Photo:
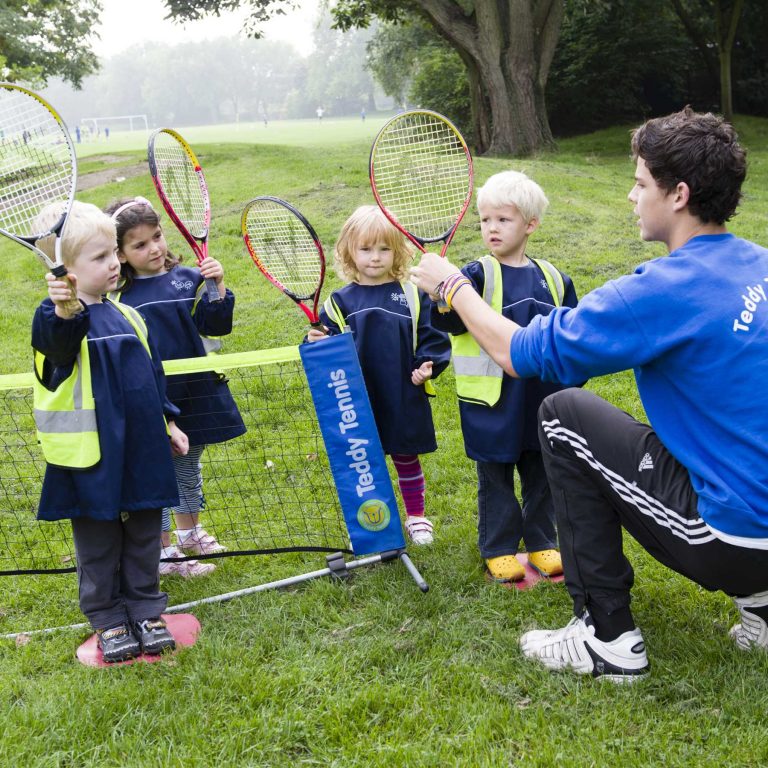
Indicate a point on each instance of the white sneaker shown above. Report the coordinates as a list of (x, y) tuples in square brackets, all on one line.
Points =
[(753, 630), (419, 529), (173, 565), (575, 647)]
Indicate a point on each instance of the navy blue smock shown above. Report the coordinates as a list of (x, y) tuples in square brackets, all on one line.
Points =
[(167, 302), (135, 471), (380, 321)]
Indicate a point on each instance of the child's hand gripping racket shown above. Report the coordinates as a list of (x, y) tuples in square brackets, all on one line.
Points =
[(182, 190), (37, 168), (421, 177), (286, 249)]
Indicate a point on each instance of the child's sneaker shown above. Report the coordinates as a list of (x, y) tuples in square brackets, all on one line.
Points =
[(419, 529), (575, 647), (176, 566), (752, 632), (154, 635), (117, 643), (504, 568), (546, 561), (198, 541)]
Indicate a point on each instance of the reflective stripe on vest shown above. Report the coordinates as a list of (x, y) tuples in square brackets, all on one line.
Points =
[(478, 376), (414, 307), (66, 418), (554, 280)]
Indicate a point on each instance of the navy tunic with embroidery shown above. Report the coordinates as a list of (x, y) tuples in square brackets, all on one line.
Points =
[(380, 321), (167, 302), (500, 433), (135, 471)]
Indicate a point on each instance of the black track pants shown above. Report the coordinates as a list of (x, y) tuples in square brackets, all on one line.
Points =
[(608, 471)]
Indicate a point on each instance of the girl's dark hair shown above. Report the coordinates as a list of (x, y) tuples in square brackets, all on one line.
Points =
[(701, 150), (135, 215)]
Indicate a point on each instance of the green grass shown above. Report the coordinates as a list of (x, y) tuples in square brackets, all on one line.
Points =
[(371, 672)]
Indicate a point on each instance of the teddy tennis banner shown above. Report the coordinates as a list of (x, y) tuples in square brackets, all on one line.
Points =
[(352, 441)]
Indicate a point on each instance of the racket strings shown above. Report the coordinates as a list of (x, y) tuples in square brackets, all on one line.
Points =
[(284, 248), (182, 184), (36, 162), (421, 171)]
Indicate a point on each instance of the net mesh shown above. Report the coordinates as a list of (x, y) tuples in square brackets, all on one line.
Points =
[(182, 182), (37, 162), (267, 491), (422, 173), (283, 246)]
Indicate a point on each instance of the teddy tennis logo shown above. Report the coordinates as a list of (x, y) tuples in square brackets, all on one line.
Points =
[(373, 515)]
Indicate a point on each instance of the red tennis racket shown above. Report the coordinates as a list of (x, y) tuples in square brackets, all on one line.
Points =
[(38, 168), (182, 190), (287, 250), (421, 176)]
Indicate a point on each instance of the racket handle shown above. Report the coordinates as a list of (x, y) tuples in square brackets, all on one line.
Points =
[(73, 306), (212, 289), (442, 307)]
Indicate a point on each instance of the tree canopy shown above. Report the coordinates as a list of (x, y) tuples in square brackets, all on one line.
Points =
[(40, 39)]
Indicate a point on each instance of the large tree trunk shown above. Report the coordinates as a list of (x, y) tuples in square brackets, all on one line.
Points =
[(508, 47)]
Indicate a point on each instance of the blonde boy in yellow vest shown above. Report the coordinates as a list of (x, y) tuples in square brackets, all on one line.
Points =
[(498, 413), (101, 410)]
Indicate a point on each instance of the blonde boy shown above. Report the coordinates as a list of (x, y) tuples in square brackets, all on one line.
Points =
[(498, 413), (100, 409)]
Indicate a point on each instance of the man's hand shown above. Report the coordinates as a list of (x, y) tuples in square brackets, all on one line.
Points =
[(430, 272)]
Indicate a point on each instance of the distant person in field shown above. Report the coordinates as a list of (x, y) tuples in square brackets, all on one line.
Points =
[(362, 114), (185, 324), (693, 487), (106, 133), (498, 412), (101, 411), (320, 112), (77, 133), (382, 308)]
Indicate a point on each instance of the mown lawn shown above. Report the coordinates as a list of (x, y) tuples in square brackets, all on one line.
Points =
[(372, 672)]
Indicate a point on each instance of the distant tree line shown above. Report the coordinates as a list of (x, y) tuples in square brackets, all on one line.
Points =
[(511, 73)]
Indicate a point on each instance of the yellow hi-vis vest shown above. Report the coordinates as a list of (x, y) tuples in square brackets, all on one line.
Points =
[(414, 307), (66, 417), (478, 376)]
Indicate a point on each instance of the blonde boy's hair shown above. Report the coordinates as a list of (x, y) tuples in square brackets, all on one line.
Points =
[(367, 226), (514, 188), (85, 221)]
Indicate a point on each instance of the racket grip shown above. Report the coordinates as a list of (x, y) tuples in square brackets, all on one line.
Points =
[(73, 306), (442, 307), (212, 289)]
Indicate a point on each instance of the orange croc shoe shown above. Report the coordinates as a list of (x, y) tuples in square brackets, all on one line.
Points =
[(546, 561), (505, 568)]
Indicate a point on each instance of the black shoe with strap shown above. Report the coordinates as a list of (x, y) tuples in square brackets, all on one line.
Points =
[(154, 635), (118, 643)]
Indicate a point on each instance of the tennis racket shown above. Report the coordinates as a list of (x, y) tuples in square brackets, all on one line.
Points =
[(37, 168), (286, 249), (421, 176), (182, 190)]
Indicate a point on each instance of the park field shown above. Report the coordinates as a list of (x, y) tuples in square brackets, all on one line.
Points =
[(372, 672)]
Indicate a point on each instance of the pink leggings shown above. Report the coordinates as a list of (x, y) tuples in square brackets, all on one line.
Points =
[(411, 481)]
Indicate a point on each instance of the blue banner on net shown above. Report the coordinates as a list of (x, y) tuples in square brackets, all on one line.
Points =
[(352, 441)]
